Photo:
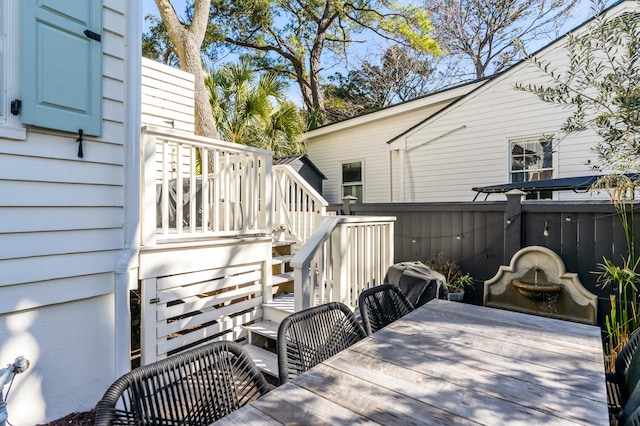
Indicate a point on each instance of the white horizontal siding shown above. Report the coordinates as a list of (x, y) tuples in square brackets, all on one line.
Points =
[(62, 216), (446, 168), (58, 266), (366, 143), (20, 245), (45, 219), (167, 97)]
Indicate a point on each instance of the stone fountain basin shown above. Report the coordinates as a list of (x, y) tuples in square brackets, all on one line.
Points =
[(536, 291)]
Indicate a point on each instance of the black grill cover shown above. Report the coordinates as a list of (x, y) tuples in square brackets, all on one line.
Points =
[(418, 282)]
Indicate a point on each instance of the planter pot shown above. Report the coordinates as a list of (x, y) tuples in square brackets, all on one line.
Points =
[(457, 296)]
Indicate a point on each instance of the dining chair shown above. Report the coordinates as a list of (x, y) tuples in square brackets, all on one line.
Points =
[(630, 414), (633, 419), (196, 387), (618, 391), (381, 305), (308, 337)]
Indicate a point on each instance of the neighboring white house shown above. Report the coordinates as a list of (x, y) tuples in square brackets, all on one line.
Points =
[(68, 223), (482, 136)]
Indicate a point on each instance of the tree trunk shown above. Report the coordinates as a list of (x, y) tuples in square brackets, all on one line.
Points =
[(187, 42)]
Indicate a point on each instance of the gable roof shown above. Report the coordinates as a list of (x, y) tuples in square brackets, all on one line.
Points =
[(291, 159), (494, 77)]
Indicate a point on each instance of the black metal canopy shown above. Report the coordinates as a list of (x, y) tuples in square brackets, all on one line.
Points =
[(578, 183)]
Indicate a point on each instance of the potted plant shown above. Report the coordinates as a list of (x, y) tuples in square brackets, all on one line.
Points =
[(457, 281)]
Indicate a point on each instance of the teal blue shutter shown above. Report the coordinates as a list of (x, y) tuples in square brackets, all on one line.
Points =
[(61, 65)]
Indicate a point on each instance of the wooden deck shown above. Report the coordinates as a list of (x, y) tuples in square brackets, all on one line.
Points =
[(450, 363)]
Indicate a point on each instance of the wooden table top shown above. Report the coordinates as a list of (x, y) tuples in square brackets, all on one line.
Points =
[(450, 363)]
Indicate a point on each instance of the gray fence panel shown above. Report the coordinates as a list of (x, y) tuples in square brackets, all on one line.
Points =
[(473, 234)]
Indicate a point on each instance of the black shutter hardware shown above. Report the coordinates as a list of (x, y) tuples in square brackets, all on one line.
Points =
[(93, 36), (79, 140), (16, 106)]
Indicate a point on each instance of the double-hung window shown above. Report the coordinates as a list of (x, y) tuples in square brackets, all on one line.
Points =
[(531, 159), (352, 179)]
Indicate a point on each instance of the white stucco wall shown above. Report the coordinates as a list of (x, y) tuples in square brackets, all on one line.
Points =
[(71, 365)]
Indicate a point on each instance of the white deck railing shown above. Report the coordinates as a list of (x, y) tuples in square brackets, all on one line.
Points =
[(298, 207), (232, 194), (345, 255)]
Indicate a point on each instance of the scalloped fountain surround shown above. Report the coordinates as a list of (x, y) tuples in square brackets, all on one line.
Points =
[(536, 282)]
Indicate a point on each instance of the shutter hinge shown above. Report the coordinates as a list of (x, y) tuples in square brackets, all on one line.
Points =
[(93, 36), (16, 106), (154, 301)]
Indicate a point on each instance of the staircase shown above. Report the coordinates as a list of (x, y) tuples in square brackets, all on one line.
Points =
[(262, 335), (316, 258)]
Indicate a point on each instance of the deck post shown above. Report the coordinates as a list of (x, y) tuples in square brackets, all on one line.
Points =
[(513, 224)]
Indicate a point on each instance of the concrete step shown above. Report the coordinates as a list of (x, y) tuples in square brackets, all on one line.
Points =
[(266, 361), (278, 309)]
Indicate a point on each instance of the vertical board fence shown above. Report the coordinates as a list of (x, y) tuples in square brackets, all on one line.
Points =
[(481, 236)]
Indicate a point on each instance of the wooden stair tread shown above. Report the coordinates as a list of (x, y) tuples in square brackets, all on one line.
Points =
[(276, 260), (267, 329), (266, 361), (282, 303), (283, 243), (282, 278)]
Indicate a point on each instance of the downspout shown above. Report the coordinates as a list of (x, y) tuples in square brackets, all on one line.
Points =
[(126, 273)]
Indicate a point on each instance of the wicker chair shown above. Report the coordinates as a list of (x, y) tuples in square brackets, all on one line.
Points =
[(629, 391), (196, 387), (308, 337), (617, 389), (382, 305), (633, 419)]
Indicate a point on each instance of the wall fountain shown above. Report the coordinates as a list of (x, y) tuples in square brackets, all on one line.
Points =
[(536, 282)]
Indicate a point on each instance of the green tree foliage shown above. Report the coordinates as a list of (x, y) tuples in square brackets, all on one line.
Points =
[(251, 109), (292, 37), (401, 75), (487, 32), (156, 43), (601, 87)]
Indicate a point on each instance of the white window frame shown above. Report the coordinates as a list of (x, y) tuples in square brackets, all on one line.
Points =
[(533, 173), (355, 183), (10, 125)]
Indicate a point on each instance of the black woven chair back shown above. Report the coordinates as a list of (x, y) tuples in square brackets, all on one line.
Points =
[(196, 387), (633, 419), (308, 337), (624, 358), (382, 305)]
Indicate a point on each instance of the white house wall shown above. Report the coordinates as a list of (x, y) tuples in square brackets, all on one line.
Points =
[(466, 145), (475, 150), (167, 97), (366, 143), (61, 227)]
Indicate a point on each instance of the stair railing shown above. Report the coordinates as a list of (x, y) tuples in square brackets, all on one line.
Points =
[(345, 255), (195, 187), (298, 207)]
